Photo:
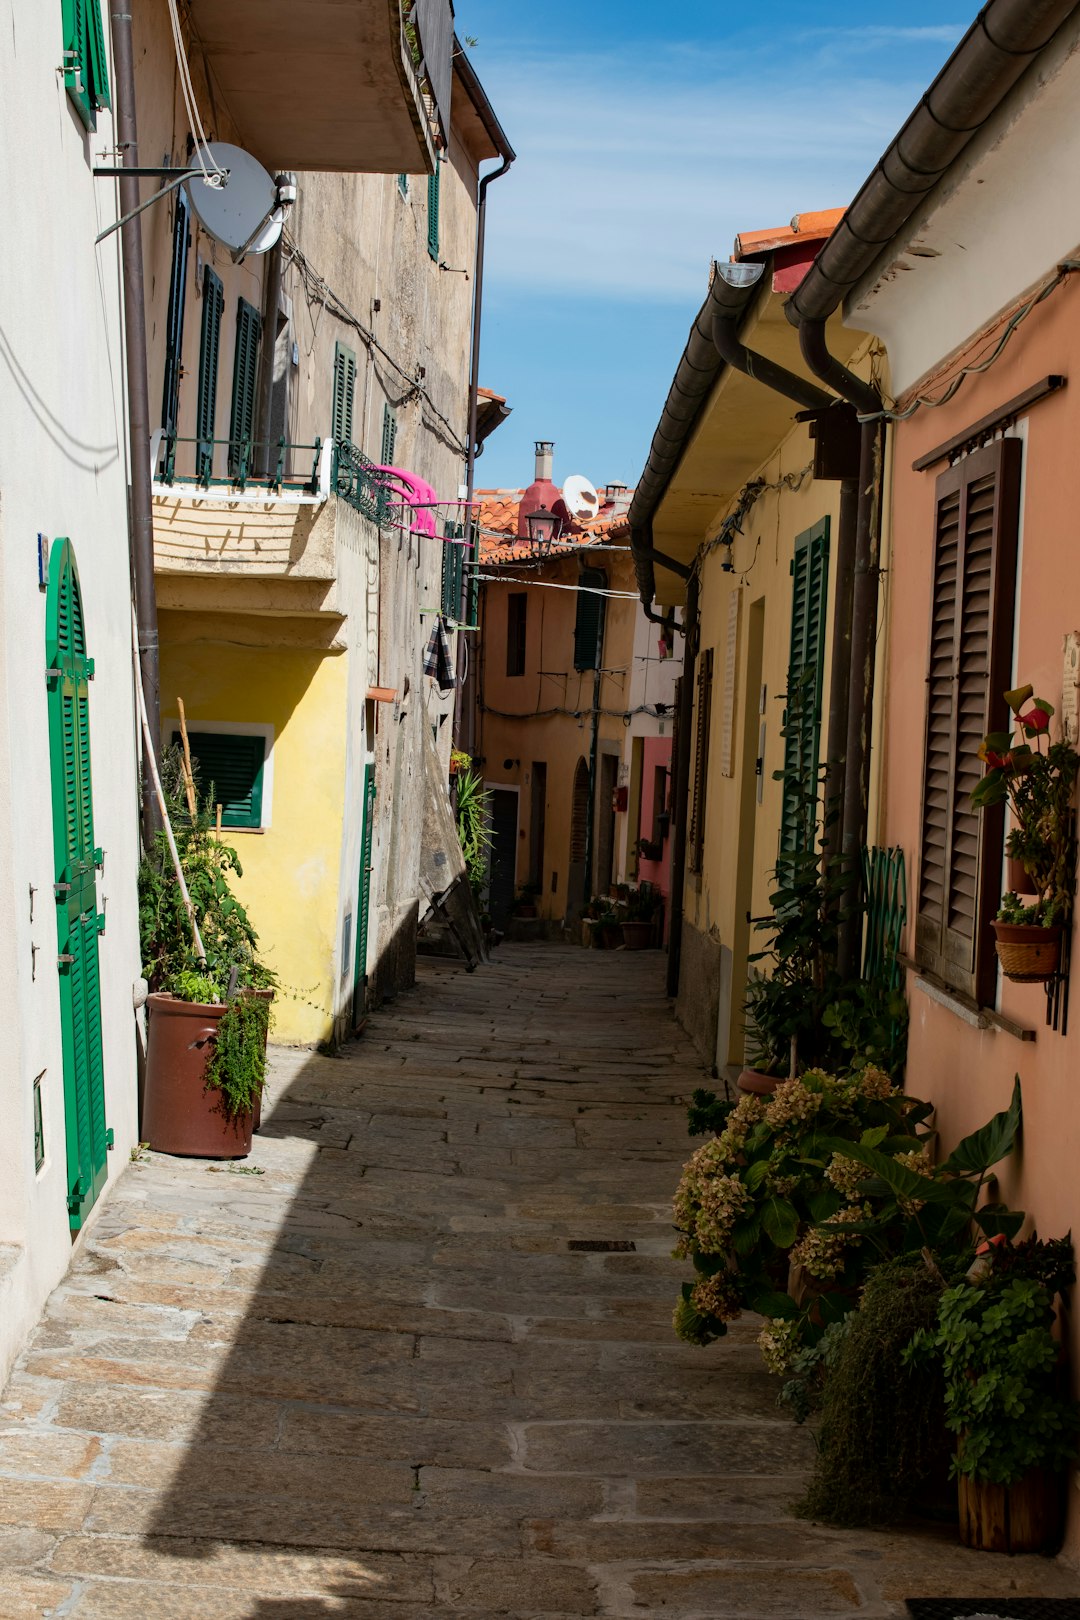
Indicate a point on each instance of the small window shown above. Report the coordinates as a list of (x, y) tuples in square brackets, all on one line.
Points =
[(661, 818), (517, 608), (86, 74), (39, 1125), (245, 378), (389, 436), (696, 838), (589, 625), (433, 211), (229, 771), (341, 428), (403, 184)]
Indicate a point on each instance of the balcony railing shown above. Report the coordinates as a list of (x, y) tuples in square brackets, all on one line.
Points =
[(356, 481), (241, 457)]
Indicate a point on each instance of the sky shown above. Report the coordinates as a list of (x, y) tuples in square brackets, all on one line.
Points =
[(647, 137)]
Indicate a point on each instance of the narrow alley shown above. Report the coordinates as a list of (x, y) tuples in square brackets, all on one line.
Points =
[(415, 1356)]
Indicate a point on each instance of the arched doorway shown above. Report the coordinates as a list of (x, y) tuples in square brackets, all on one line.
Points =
[(579, 839)]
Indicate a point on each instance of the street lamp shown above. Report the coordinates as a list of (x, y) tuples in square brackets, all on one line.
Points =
[(544, 527)]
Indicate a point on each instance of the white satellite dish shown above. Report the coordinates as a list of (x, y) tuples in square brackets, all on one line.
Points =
[(581, 498), (245, 212)]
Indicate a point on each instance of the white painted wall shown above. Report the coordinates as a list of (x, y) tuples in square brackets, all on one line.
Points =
[(998, 223), (62, 472)]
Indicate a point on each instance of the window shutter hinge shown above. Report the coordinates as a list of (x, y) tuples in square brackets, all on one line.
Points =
[(64, 960), (61, 890)]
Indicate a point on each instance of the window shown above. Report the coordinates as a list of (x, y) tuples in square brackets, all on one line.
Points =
[(589, 625), (977, 518), (245, 377), (453, 570), (209, 349), (806, 664), (344, 391), (174, 319), (696, 837), (229, 768), (661, 819), (517, 608), (433, 211), (39, 1125), (403, 184), (86, 74), (389, 436)]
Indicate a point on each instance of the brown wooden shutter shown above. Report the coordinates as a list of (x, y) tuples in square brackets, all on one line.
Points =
[(701, 760), (971, 620)]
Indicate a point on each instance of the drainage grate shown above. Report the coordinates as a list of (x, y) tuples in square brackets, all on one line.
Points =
[(994, 1608), (601, 1245)]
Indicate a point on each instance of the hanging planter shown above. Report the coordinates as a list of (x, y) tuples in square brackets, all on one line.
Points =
[(1028, 954)]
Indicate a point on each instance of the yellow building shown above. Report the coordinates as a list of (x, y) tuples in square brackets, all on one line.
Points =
[(744, 516)]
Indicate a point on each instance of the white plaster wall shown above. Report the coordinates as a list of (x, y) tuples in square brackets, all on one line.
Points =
[(999, 222), (62, 472)]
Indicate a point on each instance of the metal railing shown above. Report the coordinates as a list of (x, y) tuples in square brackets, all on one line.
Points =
[(240, 459), (355, 480)]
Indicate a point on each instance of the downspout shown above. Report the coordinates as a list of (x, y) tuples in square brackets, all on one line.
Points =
[(680, 789), (464, 702), (140, 508), (594, 747)]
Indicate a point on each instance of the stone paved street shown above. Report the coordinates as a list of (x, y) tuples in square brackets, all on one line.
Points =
[(374, 1380)]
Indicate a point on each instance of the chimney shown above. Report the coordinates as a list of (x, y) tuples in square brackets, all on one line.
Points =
[(544, 459)]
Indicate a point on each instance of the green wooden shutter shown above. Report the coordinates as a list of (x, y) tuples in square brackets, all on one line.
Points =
[(453, 566), (403, 184), (699, 795), (389, 436), (209, 351), (433, 211), (341, 430), (86, 73), (363, 901), (245, 377), (229, 768), (75, 862), (806, 665), (174, 319), (589, 624)]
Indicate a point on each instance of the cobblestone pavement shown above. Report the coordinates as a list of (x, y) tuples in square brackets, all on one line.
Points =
[(374, 1380)]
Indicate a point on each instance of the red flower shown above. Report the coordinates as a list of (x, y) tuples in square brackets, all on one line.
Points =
[(1035, 719)]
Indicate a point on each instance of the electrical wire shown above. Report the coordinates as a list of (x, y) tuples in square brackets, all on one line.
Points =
[(212, 172), (550, 585), (745, 501), (952, 388)]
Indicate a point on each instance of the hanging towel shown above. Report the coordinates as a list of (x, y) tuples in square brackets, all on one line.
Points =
[(438, 661)]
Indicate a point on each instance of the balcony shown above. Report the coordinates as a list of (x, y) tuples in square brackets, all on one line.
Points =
[(269, 541), (348, 85)]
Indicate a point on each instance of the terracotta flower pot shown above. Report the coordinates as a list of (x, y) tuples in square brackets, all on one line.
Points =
[(1017, 878), (637, 936), (1028, 955), (1020, 1518), (757, 1083), (181, 1114)]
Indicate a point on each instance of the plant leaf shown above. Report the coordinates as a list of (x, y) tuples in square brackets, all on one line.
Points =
[(984, 1148), (780, 1220), (997, 1218), (767, 1302)]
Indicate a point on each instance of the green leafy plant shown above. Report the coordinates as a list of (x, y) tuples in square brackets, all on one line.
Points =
[(1000, 1362), (473, 824), (707, 1114), (236, 1066), (1037, 783)]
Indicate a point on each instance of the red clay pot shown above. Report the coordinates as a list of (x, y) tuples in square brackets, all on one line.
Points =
[(637, 936), (1017, 878), (181, 1114), (756, 1083)]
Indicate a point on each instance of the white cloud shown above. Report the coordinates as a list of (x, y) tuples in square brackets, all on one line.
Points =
[(631, 176)]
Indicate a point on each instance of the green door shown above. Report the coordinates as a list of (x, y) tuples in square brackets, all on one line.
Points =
[(76, 861), (363, 901)]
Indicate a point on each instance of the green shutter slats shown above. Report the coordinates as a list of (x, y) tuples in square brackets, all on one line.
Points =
[(433, 211), (453, 571), (86, 73), (209, 356), (74, 856), (364, 892), (341, 430), (174, 319), (389, 436), (589, 623), (245, 379), (806, 667), (229, 771)]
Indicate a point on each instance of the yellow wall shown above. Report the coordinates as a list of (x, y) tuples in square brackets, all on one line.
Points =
[(290, 883)]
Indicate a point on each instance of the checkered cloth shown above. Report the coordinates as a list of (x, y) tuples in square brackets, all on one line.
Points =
[(438, 661)]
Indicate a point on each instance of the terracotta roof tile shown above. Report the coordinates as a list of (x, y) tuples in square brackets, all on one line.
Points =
[(497, 511), (804, 227)]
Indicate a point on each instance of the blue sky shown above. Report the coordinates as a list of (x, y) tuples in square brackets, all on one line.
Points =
[(647, 137)]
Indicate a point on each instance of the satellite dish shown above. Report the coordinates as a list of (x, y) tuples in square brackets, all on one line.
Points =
[(582, 499), (245, 212)]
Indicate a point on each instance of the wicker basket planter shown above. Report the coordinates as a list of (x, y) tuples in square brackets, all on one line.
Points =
[(1028, 955)]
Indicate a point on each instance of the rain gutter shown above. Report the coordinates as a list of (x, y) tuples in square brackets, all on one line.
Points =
[(993, 55)]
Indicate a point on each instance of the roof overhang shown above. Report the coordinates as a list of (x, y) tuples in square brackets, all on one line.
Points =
[(325, 85)]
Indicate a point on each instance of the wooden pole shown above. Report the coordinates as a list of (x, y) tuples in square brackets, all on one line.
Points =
[(189, 780)]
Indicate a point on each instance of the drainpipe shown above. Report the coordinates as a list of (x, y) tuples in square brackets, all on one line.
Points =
[(594, 748), (140, 502), (680, 788), (464, 702)]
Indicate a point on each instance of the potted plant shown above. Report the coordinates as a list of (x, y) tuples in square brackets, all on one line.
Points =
[(525, 900), (601, 927), (650, 849), (1037, 783), (208, 1014), (1016, 1428), (639, 918)]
